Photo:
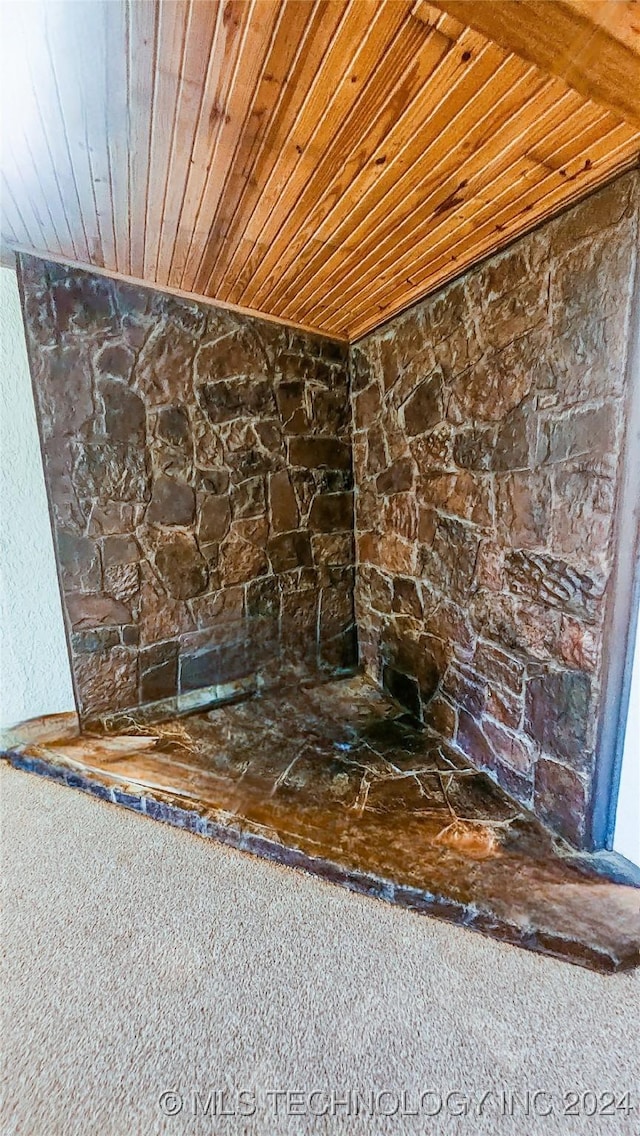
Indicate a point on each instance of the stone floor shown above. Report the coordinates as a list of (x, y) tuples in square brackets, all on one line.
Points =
[(335, 779)]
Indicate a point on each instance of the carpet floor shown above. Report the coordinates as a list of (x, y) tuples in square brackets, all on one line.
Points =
[(153, 980)]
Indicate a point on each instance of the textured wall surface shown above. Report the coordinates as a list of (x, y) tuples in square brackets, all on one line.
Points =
[(35, 676), (199, 469), (199, 465), (488, 425)]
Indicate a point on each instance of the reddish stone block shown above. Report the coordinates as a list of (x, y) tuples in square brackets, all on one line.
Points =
[(172, 503), (79, 561), (524, 509), (560, 799), (283, 506), (290, 550), (423, 409), (106, 681), (89, 610), (214, 517), (331, 512), (181, 566), (559, 715), (397, 478), (463, 494), (497, 666), (317, 453)]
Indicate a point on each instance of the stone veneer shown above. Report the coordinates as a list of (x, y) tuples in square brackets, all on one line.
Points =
[(198, 465), (199, 469), (488, 428)]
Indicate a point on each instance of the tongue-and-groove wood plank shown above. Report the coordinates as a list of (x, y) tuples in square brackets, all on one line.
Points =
[(326, 162)]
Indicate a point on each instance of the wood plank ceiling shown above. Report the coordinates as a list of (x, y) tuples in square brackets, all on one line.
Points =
[(326, 162)]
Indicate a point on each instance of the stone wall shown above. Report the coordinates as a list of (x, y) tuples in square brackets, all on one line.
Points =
[(488, 425), (198, 466), (199, 471)]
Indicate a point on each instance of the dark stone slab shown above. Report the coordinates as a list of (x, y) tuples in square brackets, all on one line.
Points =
[(173, 425), (423, 409), (404, 689), (119, 550), (214, 517), (557, 714), (282, 503), (94, 610), (112, 471), (172, 502), (181, 566), (159, 671), (560, 798), (115, 360), (315, 453), (124, 412), (290, 550), (554, 582), (291, 407), (263, 598), (79, 561), (331, 512), (395, 479), (236, 398), (473, 448), (219, 665)]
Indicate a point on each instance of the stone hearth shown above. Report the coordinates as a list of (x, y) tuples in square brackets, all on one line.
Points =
[(439, 504), (244, 514), (337, 779)]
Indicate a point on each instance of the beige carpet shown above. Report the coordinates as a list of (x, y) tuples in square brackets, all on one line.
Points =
[(140, 960)]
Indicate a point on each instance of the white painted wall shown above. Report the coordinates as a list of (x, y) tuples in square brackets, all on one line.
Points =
[(627, 832), (35, 676)]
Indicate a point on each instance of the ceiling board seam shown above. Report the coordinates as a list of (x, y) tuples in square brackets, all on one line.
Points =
[(229, 91), (64, 129), (220, 126), (197, 179), (150, 134), (119, 176), (201, 103), (171, 24), (36, 101), (393, 255), (554, 211), (346, 139), (127, 55), (261, 150), (31, 218), (292, 174), (16, 207), (281, 290), (376, 245), (244, 127), (88, 150), (6, 237), (54, 169), (176, 105), (357, 111), (393, 187), (105, 116), (445, 242), (410, 172)]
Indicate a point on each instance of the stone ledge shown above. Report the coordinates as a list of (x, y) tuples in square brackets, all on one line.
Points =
[(335, 780)]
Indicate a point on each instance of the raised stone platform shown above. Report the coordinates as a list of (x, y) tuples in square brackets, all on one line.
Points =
[(336, 779)]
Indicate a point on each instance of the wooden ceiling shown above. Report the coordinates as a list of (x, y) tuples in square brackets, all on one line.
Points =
[(326, 162)]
